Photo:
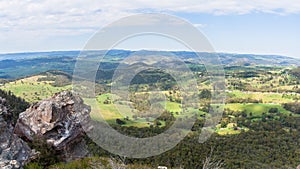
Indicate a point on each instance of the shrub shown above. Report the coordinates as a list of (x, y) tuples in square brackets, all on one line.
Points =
[(47, 156)]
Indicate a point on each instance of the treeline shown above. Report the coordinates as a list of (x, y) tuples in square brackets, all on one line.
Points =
[(16, 105), (242, 100), (59, 78), (293, 107), (266, 145), (296, 72)]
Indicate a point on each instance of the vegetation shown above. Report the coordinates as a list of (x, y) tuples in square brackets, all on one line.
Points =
[(269, 144), (15, 104), (32, 89), (47, 155), (259, 128)]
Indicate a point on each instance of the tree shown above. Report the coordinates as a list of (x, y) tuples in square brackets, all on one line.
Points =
[(47, 156), (120, 122), (273, 110), (250, 114), (212, 163), (205, 94)]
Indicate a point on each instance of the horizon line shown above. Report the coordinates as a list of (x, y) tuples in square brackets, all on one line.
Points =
[(153, 50)]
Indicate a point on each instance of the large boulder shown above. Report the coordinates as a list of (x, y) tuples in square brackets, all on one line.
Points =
[(57, 120), (14, 152)]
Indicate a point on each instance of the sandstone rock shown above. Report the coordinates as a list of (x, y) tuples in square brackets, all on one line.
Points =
[(58, 120), (14, 152)]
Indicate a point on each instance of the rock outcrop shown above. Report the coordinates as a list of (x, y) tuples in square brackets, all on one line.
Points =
[(14, 152), (58, 120)]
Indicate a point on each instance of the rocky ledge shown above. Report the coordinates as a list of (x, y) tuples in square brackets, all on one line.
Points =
[(57, 120), (14, 152)]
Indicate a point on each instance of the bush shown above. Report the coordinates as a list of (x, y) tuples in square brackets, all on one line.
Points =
[(47, 156), (33, 166), (273, 110), (16, 105), (205, 94), (293, 107), (120, 122)]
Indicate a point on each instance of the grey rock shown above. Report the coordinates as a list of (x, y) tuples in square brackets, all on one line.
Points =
[(14, 152), (58, 120)]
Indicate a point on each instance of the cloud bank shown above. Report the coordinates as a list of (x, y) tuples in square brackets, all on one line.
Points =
[(32, 15), (35, 20)]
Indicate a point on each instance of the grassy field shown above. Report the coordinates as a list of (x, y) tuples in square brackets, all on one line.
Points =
[(32, 90), (90, 162), (266, 97), (111, 112), (256, 108), (173, 107), (230, 129)]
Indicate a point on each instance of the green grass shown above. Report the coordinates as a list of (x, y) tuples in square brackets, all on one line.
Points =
[(256, 108), (32, 90), (111, 112), (89, 163), (229, 130), (173, 107), (264, 96)]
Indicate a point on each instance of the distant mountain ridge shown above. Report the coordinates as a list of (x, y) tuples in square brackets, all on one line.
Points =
[(226, 58), (16, 65), (33, 55)]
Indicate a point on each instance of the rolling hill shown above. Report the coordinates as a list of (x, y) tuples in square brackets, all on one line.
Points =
[(17, 65)]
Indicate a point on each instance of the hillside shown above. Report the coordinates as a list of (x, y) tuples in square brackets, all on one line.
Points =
[(16, 65), (258, 127)]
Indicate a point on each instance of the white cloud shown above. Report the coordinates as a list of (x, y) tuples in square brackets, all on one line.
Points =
[(40, 18), (38, 14), (199, 25)]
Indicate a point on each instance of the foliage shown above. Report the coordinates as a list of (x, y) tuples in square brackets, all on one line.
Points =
[(120, 122), (296, 72), (205, 94), (16, 105), (33, 90), (273, 110), (211, 163), (33, 165), (262, 113), (293, 107), (48, 156)]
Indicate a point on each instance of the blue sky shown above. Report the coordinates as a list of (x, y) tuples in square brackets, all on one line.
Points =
[(249, 26), (262, 33)]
